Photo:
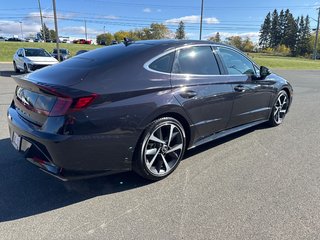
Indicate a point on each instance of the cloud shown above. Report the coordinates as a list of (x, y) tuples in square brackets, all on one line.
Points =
[(192, 19), (48, 17), (147, 10), (111, 17), (159, 10), (10, 28)]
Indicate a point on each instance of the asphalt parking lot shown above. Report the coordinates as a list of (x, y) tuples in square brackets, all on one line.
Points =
[(262, 183)]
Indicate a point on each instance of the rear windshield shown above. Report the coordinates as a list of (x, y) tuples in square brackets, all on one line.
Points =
[(33, 52), (107, 55)]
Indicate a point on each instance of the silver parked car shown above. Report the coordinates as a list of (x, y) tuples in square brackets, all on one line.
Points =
[(31, 59)]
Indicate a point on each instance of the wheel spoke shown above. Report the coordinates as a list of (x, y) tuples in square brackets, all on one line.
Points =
[(155, 139), (175, 148), (149, 164), (151, 151), (165, 163), (278, 116), (160, 133), (170, 134)]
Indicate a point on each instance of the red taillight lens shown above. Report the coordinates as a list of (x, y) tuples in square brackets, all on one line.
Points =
[(61, 106), (84, 101), (65, 105)]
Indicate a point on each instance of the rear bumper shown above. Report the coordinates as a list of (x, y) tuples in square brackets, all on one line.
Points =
[(72, 156)]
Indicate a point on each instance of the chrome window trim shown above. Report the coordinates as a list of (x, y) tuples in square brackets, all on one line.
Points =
[(146, 65)]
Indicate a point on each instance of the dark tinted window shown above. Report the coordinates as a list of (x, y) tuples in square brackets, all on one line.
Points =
[(35, 52), (235, 62), (196, 60), (163, 64)]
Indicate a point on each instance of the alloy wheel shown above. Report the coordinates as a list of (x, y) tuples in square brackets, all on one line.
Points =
[(280, 108), (164, 149)]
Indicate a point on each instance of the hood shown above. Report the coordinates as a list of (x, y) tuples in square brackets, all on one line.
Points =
[(42, 59)]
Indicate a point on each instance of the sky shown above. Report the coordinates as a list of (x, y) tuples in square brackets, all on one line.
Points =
[(228, 17)]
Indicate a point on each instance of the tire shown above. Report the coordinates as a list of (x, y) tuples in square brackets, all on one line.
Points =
[(160, 149), (15, 67), (25, 68), (279, 109)]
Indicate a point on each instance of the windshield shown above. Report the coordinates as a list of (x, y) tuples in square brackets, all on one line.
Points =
[(63, 51), (35, 52)]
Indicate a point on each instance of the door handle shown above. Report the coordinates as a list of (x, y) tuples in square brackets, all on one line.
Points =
[(239, 88), (188, 94)]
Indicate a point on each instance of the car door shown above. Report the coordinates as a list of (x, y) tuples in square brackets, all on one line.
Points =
[(18, 58), (251, 96), (204, 93), (21, 58)]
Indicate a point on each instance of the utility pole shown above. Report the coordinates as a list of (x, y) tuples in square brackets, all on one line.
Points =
[(317, 35), (41, 18), (56, 27), (85, 29), (104, 29), (201, 18)]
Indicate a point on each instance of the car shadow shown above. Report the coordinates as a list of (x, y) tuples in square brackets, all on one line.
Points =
[(9, 73), (27, 191)]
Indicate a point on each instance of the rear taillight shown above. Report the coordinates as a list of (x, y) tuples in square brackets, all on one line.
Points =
[(61, 106), (84, 101), (67, 105), (50, 102)]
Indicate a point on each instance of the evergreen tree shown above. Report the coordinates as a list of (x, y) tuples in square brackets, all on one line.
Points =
[(46, 32), (282, 26), (275, 36), (303, 36), (215, 38), (265, 32), (180, 33), (290, 37)]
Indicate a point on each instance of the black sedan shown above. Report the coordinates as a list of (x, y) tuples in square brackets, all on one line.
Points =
[(139, 106), (64, 54)]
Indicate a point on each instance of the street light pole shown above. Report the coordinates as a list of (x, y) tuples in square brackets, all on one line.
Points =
[(201, 18), (315, 50), (21, 29), (56, 27), (85, 29)]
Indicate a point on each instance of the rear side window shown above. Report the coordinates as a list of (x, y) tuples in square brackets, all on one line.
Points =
[(163, 64), (196, 60)]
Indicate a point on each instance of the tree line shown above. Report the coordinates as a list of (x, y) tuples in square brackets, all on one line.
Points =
[(155, 31), (283, 32)]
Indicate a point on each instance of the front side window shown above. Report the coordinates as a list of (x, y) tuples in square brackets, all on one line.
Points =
[(235, 63), (198, 60)]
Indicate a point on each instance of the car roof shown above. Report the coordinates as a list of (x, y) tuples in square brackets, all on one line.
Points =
[(176, 42), (33, 48)]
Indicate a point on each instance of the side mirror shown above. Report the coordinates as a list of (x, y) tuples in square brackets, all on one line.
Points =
[(20, 55), (264, 72)]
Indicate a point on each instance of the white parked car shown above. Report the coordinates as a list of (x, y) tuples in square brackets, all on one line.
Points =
[(31, 59)]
